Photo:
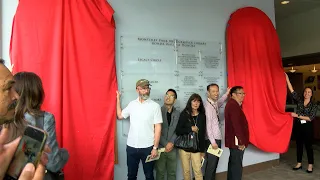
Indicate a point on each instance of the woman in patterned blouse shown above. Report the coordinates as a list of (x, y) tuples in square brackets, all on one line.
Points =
[(305, 113)]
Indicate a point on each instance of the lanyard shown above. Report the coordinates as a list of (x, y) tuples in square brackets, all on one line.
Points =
[(215, 108)]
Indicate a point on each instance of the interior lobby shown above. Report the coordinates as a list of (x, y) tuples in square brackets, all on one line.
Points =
[(151, 32)]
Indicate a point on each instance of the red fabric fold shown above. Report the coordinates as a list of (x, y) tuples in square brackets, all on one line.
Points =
[(71, 45), (254, 62)]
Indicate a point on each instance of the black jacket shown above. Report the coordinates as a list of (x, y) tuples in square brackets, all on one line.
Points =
[(186, 122)]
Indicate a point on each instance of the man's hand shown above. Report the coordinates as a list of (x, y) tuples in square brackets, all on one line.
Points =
[(241, 147), (169, 147), (30, 173), (118, 95), (154, 153), (215, 146), (7, 152), (228, 90)]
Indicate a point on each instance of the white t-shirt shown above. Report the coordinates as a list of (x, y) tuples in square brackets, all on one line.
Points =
[(143, 117)]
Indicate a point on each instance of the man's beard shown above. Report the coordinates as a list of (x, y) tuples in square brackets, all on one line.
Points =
[(145, 96), (11, 107)]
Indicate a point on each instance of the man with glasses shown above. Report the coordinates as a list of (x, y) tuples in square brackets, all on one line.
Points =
[(145, 129), (168, 159), (236, 132)]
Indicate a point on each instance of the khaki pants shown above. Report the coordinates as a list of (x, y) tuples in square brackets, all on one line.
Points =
[(195, 162)]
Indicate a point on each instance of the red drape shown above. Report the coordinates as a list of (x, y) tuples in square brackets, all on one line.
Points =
[(71, 45), (254, 62)]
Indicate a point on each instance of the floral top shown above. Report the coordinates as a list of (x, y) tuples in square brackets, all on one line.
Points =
[(310, 110)]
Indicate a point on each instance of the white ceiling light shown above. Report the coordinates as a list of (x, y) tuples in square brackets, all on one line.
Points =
[(292, 70), (314, 70), (285, 2)]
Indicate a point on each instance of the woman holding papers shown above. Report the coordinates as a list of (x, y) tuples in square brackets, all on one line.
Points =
[(193, 118), (305, 113)]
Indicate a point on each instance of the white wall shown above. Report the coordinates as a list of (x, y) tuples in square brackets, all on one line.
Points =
[(8, 9), (299, 34), (181, 19)]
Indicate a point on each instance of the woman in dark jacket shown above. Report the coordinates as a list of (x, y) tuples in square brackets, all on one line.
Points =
[(305, 113), (193, 118)]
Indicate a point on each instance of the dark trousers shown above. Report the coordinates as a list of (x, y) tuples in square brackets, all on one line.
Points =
[(304, 136), (211, 163), (134, 156), (235, 164)]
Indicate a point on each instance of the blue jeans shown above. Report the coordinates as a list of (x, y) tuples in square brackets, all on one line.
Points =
[(134, 156)]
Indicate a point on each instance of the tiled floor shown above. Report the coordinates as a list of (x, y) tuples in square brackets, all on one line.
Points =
[(284, 170)]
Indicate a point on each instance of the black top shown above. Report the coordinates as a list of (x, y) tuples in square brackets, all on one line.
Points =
[(186, 122), (169, 117), (310, 110)]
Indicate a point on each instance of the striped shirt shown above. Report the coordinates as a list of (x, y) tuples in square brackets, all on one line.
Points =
[(212, 117)]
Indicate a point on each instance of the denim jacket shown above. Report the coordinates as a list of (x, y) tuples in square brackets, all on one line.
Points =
[(58, 156)]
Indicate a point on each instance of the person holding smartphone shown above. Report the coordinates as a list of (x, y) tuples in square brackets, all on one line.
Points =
[(28, 85), (8, 99)]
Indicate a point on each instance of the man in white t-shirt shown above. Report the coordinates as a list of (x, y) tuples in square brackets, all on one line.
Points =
[(145, 130)]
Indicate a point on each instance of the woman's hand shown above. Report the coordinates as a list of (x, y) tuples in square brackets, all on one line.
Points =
[(195, 129), (294, 114)]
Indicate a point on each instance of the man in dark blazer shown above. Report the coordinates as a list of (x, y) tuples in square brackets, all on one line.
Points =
[(168, 158), (236, 132)]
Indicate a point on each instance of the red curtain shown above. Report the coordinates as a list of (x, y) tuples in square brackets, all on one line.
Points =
[(254, 62), (71, 46)]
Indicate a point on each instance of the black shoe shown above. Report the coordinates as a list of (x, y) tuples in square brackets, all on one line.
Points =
[(297, 168), (309, 171)]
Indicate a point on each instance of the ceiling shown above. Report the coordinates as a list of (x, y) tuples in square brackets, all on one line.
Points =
[(303, 69), (294, 7)]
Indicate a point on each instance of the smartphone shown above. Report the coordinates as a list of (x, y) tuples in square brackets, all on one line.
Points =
[(29, 150)]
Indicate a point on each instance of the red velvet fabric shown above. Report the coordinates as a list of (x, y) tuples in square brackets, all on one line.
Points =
[(254, 62), (71, 46)]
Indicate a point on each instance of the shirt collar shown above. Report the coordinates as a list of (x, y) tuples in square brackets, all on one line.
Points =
[(145, 101), (212, 102)]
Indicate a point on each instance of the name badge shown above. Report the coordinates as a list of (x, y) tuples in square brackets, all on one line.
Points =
[(303, 121)]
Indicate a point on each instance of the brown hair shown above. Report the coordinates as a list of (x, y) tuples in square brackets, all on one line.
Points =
[(29, 87)]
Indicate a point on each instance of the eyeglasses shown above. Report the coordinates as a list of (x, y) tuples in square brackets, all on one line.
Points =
[(241, 93), (170, 96)]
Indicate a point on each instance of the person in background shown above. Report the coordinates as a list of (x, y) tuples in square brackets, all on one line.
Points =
[(305, 113), (213, 128), (236, 132), (145, 130), (170, 117), (193, 118), (29, 87)]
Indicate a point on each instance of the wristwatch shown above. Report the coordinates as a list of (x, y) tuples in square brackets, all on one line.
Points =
[(155, 148)]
